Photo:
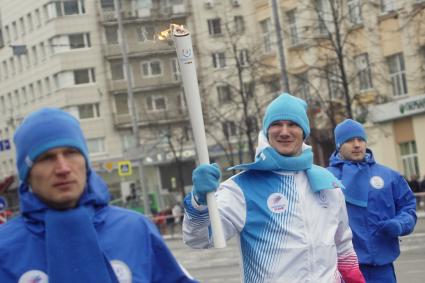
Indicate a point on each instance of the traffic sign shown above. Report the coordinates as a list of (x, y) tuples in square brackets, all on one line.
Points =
[(3, 203), (124, 168)]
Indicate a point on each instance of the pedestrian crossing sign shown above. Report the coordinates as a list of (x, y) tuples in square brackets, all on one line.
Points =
[(124, 168)]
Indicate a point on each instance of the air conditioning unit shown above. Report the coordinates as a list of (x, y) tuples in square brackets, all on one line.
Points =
[(209, 4), (236, 3)]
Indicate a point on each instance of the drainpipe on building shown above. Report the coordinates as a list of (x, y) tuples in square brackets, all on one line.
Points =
[(132, 106), (280, 49)]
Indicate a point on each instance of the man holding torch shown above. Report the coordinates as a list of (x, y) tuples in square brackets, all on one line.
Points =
[(288, 214)]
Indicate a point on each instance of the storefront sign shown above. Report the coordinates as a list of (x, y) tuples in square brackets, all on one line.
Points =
[(398, 109)]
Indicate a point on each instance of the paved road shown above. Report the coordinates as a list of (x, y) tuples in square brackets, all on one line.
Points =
[(222, 265)]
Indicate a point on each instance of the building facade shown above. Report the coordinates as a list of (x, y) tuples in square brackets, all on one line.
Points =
[(68, 54)]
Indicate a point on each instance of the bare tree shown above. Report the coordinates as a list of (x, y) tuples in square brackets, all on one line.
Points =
[(234, 97)]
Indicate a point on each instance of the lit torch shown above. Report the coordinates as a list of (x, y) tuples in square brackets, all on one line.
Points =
[(185, 56)]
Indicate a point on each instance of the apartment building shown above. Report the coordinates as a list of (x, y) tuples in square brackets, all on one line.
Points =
[(67, 54), (373, 50)]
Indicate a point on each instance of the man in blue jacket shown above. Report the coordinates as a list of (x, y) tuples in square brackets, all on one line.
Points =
[(67, 232), (381, 206)]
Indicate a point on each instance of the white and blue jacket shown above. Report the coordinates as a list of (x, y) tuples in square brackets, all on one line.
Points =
[(286, 232)]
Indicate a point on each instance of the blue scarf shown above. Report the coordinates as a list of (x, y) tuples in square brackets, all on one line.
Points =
[(355, 176), (72, 247), (268, 159)]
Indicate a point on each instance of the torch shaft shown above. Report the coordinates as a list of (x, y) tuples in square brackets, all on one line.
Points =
[(191, 89)]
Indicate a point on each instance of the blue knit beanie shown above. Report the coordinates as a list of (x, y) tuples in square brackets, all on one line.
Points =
[(287, 107), (347, 130), (44, 130)]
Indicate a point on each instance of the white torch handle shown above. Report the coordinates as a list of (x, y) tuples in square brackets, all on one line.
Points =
[(191, 89)]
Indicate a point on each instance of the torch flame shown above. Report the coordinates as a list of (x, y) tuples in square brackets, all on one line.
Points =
[(177, 30)]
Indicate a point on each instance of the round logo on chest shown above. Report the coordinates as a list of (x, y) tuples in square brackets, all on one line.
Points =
[(277, 203), (377, 182), (122, 271), (33, 276)]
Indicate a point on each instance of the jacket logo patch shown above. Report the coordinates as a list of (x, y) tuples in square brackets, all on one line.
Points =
[(122, 271), (377, 182), (277, 203), (33, 276), (323, 199)]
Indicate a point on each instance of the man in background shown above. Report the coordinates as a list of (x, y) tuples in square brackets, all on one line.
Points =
[(381, 206)]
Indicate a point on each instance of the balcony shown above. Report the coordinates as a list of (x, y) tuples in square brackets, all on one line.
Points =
[(124, 121)]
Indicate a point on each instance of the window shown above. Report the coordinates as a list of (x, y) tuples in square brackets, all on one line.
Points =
[(363, 71), (2, 104), (214, 26), (224, 94), (22, 25), (42, 51), (14, 31), (219, 60), (252, 124), (29, 22), (302, 86), (409, 158), (273, 85), (5, 70), (266, 35), (24, 95), (121, 103), (47, 86), (65, 8), (397, 74), (84, 76), (181, 102), (239, 24), (128, 141), (34, 55), (117, 70), (293, 26), (79, 40), (146, 32), (7, 37), (229, 129), (248, 89), (96, 145), (175, 69), (111, 34), (333, 81), (37, 18), (354, 11), (107, 4), (88, 111), (325, 17), (156, 103), (12, 66), (31, 92), (151, 68), (17, 98), (243, 57), (388, 6), (39, 89)]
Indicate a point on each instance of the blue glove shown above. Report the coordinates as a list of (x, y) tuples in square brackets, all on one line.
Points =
[(205, 178), (391, 227)]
